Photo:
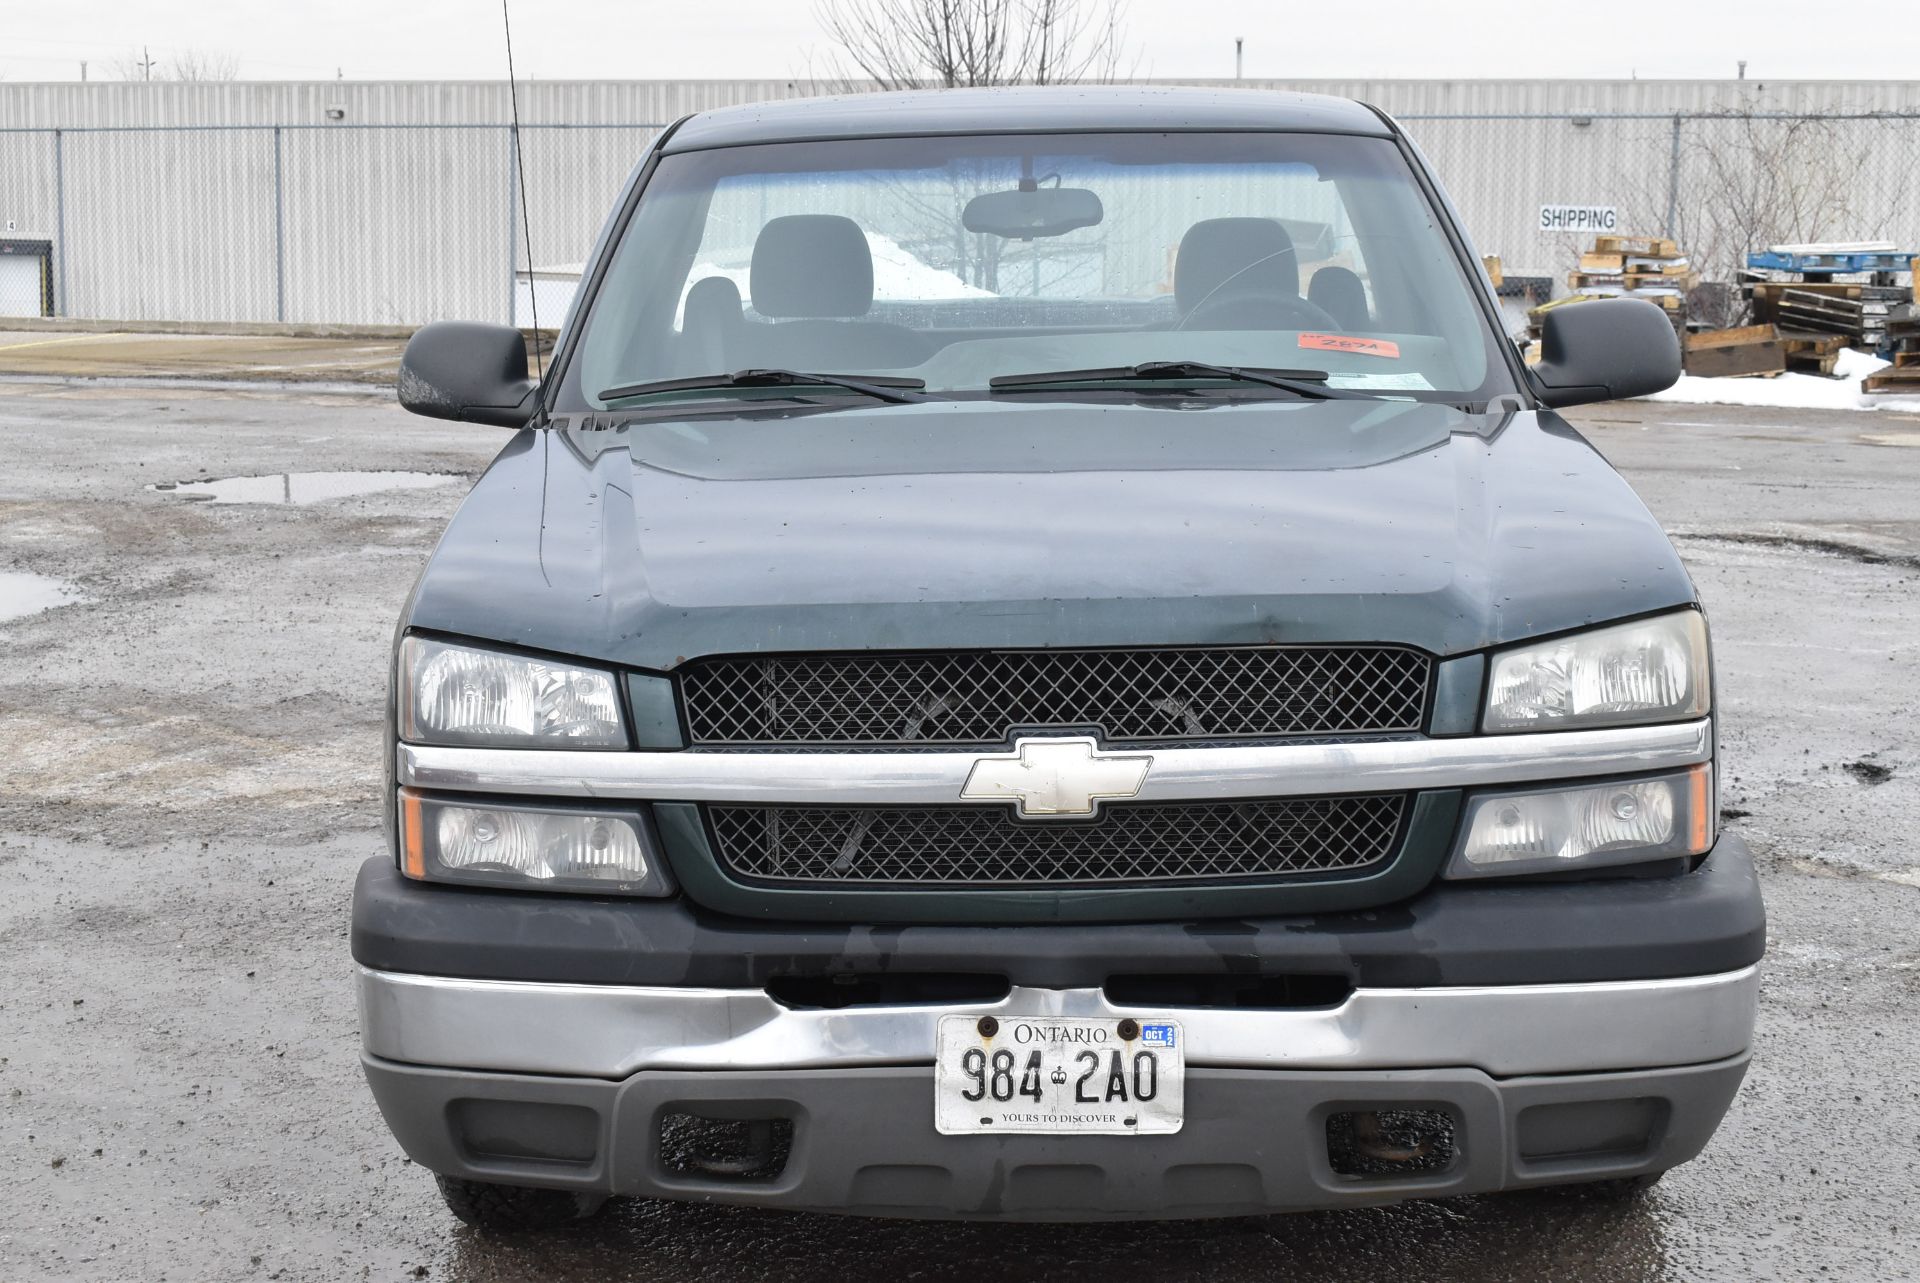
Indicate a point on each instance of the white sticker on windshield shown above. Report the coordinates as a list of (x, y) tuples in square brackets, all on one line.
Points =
[(1401, 381)]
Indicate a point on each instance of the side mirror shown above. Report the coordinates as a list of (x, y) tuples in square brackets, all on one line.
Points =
[(1606, 350), (468, 371)]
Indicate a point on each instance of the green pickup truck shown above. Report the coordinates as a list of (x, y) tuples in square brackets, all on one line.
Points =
[(1035, 654)]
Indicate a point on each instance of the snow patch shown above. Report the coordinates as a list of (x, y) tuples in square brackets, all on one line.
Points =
[(1794, 391), (898, 275)]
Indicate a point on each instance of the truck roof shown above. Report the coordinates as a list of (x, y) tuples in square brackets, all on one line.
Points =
[(1024, 109)]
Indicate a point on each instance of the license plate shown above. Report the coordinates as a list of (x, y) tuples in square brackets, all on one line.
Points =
[(1058, 1075)]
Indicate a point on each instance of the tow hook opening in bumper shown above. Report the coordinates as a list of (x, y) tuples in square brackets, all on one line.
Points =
[(730, 1150), (1391, 1142), (1254, 1141)]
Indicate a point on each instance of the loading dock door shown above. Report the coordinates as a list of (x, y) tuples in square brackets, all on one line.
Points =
[(26, 277)]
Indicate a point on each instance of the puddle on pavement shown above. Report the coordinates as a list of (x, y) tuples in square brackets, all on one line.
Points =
[(22, 594), (299, 487), (1891, 438)]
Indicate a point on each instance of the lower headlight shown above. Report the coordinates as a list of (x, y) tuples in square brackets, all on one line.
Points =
[(1588, 826), (529, 847)]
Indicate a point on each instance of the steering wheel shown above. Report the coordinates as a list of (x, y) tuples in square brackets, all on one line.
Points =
[(1264, 311)]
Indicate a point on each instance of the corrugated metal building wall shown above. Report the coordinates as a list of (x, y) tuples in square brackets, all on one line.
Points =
[(255, 201), (74, 105)]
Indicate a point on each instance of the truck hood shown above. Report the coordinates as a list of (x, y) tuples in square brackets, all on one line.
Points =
[(1039, 523)]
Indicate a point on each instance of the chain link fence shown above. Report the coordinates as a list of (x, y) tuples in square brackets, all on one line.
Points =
[(1718, 184), (402, 224)]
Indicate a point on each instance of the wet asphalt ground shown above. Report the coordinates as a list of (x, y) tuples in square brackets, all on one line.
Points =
[(190, 773)]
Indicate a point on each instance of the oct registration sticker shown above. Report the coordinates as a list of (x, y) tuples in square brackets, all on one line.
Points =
[(1058, 1075)]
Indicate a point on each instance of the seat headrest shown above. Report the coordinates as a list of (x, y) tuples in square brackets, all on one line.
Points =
[(1337, 291), (811, 265), (1224, 258), (713, 300)]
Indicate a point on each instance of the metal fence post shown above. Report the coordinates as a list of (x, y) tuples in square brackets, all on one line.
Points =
[(1673, 179), (279, 232), (513, 226), (59, 225)]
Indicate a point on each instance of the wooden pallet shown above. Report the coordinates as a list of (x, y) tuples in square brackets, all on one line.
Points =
[(1859, 319), (1700, 340), (1820, 344), (1852, 309), (1631, 280), (1721, 354), (1898, 379), (1813, 353), (1843, 261), (1836, 289), (1641, 246)]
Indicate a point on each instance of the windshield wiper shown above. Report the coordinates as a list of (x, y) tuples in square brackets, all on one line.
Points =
[(880, 387), (1310, 384)]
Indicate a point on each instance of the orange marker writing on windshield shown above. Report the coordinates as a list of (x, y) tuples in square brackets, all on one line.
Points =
[(1348, 343)]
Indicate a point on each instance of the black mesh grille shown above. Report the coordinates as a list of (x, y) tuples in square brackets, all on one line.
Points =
[(979, 697), (987, 846)]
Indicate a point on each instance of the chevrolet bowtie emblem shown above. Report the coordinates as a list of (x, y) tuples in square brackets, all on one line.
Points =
[(1055, 777)]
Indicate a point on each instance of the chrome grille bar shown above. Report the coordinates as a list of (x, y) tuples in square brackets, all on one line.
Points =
[(1176, 774)]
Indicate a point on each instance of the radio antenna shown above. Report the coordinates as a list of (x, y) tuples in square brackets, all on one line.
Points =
[(520, 174)]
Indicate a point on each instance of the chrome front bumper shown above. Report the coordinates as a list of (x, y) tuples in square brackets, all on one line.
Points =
[(613, 1032), (590, 1088)]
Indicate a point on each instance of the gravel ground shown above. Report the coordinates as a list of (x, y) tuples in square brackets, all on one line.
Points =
[(56, 354), (191, 774)]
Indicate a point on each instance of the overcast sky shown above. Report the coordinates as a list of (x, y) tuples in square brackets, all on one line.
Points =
[(673, 39)]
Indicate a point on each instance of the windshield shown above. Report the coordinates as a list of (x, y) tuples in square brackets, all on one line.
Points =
[(955, 261)]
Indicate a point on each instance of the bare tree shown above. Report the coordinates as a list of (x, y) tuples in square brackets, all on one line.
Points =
[(944, 44), (1748, 181), (921, 44), (1742, 178), (176, 64), (204, 64), (1758, 181)]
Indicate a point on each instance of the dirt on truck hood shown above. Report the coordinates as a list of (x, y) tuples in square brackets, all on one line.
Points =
[(1043, 523)]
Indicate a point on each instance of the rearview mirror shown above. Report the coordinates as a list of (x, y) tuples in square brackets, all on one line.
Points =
[(467, 371), (1024, 215), (1605, 350)]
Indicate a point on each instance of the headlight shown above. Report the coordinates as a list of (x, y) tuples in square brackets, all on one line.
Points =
[(462, 695), (1590, 826), (1655, 670), (529, 847)]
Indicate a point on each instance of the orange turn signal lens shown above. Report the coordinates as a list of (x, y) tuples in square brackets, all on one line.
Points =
[(521, 845), (413, 852), (1700, 810), (1629, 820)]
